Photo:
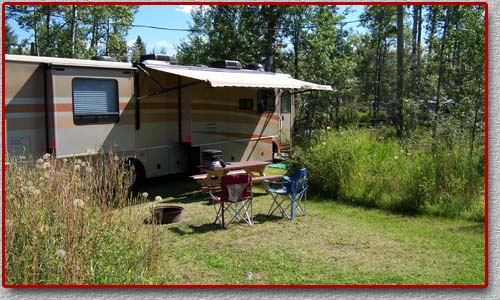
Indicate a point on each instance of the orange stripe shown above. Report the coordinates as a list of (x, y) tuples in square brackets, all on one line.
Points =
[(23, 108), (67, 107)]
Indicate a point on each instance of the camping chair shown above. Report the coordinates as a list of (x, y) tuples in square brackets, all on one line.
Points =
[(293, 189), (235, 199)]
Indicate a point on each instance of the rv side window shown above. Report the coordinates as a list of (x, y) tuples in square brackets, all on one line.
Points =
[(95, 101), (265, 101), (286, 103)]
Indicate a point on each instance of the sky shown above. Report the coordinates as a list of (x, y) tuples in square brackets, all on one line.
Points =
[(175, 17)]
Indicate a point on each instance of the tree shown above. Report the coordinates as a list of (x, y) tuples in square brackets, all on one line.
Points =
[(63, 30), (137, 49)]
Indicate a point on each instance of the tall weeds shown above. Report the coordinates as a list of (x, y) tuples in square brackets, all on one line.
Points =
[(68, 222), (416, 175)]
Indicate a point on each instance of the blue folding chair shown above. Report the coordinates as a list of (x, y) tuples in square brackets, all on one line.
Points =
[(293, 188)]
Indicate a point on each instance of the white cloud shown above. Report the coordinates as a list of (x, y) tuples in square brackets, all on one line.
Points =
[(162, 43), (185, 8), (130, 43)]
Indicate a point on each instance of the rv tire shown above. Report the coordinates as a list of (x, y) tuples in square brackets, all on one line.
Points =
[(139, 174)]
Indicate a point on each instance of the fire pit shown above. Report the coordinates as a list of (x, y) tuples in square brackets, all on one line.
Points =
[(166, 214)]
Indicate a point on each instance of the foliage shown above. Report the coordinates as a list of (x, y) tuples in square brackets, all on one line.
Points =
[(75, 30), (415, 175), (68, 222)]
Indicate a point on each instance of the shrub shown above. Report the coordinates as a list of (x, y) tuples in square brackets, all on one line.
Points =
[(374, 169)]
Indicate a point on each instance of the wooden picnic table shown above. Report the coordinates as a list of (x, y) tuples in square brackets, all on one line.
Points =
[(212, 177)]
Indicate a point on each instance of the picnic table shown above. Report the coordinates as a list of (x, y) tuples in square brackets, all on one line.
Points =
[(211, 180)]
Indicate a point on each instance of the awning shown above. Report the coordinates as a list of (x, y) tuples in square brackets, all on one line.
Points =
[(235, 78)]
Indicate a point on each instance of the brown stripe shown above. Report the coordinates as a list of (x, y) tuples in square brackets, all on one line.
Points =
[(210, 116), (163, 105), (208, 107), (236, 135), (25, 124), (24, 108)]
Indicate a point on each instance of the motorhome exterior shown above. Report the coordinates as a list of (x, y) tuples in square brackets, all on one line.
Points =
[(155, 114)]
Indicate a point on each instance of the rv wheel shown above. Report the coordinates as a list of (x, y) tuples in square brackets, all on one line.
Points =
[(138, 172)]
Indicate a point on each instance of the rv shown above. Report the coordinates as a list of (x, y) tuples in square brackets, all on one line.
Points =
[(156, 115)]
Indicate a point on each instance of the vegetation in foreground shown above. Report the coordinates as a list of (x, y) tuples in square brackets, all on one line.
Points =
[(69, 222), (62, 229)]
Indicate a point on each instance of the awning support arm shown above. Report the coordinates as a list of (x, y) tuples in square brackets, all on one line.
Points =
[(171, 89)]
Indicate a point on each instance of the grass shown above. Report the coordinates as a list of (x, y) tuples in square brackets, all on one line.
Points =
[(334, 244), (117, 244)]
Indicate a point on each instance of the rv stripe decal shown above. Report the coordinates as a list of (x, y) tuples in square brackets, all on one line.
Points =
[(23, 108), (240, 135)]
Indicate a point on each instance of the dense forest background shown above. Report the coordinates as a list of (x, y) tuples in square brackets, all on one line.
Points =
[(413, 73)]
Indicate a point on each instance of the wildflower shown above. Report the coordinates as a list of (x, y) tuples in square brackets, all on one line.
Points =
[(77, 168), (408, 153), (78, 203), (116, 158), (39, 161), (61, 254), (158, 198), (65, 160), (396, 157), (46, 165), (46, 156), (323, 143), (83, 164), (328, 128), (249, 276), (145, 195)]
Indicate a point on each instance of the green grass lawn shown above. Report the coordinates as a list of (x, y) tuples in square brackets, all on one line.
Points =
[(333, 244)]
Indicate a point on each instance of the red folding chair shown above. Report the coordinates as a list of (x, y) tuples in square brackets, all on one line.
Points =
[(235, 199)]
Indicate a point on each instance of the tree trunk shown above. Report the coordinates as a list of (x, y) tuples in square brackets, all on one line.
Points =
[(400, 70), (296, 40), (270, 18), (74, 14), (107, 36), (419, 51), (34, 49), (47, 51), (441, 57)]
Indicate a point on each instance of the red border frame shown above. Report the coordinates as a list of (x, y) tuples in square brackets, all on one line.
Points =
[(204, 286)]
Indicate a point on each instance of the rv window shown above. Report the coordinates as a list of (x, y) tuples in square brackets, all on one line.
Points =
[(265, 101), (246, 103), (95, 101), (286, 103)]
